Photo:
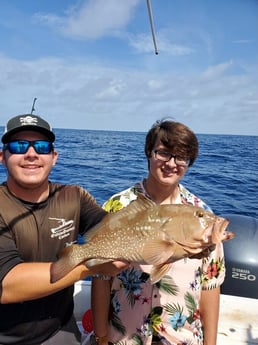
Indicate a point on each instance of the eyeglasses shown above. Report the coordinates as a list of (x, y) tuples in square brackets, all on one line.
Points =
[(166, 156), (42, 147)]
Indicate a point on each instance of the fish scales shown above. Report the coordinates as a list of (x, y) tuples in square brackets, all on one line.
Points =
[(146, 233)]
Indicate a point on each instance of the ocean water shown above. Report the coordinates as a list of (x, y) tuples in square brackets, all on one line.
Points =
[(225, 175)]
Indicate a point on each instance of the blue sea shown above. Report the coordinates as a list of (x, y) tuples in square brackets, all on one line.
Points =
[(225, 175)]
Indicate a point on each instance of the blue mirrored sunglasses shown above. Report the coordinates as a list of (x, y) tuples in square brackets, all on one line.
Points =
[(42, 147)]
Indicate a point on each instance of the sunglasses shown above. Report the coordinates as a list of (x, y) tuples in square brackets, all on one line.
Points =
[(42, 147)]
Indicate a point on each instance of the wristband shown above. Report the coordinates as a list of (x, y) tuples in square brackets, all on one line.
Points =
[(101, 339)]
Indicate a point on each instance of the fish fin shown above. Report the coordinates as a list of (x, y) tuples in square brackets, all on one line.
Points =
[(157, 252), (64, 264), (158, 271), (138, 205), (94, 262)]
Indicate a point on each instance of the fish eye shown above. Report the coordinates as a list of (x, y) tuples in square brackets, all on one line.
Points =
[(200, 214)]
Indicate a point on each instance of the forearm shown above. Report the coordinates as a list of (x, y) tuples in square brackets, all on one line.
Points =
[(100, 302), (28, 281), (209, 310)]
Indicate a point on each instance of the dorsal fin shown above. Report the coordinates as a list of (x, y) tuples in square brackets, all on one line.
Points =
[(134, 208)]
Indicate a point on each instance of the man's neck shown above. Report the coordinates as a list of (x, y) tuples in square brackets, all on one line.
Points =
[(33, 194)]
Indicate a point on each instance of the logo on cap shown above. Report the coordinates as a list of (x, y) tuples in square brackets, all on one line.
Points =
[(28, 120)]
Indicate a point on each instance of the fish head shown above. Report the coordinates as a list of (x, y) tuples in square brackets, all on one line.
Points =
[(219, 231), (199, 223), (213, 228), (201, 226)]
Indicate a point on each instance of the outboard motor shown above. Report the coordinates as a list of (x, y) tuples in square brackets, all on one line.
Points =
[(241, 257)]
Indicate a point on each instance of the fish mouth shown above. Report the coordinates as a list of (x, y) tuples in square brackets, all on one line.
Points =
[(222, 222), (220, 232)]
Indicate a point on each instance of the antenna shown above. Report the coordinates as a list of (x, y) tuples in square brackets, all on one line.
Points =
[(33, 108), (152, 26)]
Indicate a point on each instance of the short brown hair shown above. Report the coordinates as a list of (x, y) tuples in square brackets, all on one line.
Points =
[(175, 136)]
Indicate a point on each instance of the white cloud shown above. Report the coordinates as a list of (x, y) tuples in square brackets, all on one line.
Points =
[(82, 95), (143, 43), (93, 18), (112, 89), (217, 70), (243, 41)]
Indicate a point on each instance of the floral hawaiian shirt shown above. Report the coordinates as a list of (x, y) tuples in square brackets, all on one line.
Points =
[(168, 311)]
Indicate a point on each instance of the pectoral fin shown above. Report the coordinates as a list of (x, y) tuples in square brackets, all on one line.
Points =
[(157, 252), (158, 271)]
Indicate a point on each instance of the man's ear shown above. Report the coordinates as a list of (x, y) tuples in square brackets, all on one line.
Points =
[(55, 156)]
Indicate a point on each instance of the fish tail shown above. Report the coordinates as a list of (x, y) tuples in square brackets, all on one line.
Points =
[(63, 265)]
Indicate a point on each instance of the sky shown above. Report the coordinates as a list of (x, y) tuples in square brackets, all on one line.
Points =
[(91, 64)]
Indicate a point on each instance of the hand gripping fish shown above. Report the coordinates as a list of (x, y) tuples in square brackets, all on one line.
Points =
[(146, 233)]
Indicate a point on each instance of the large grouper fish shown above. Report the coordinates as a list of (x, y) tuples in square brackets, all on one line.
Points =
[(146, 233)]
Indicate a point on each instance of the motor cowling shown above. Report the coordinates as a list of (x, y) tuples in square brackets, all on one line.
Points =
[(241, 257)]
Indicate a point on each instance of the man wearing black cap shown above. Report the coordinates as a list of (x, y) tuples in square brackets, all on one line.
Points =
[(37, 219)]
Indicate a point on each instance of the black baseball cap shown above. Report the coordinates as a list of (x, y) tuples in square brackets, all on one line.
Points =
[(28, 122)]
